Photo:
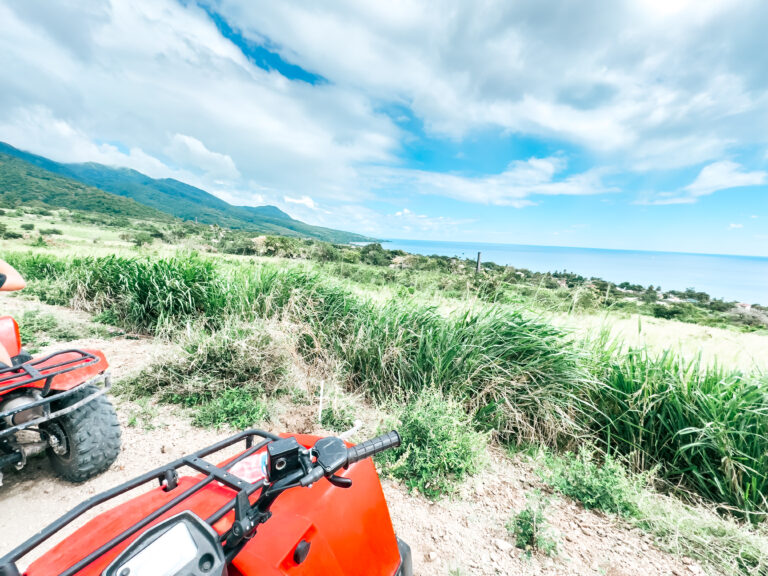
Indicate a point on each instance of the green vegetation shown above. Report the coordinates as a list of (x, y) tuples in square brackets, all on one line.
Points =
[(23, 184), (530, 528), (207, 364), (717, 542), (439, 448), (523, 380), (606, 486), (27, 178), (39, 329), (337, 417), (237, 407)]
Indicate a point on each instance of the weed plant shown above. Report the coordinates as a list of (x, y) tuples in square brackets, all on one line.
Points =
[(224, 374), (439, 448), (238, 407), (530, 527)]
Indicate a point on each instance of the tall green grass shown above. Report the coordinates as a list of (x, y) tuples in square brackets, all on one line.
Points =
[(525, 380)]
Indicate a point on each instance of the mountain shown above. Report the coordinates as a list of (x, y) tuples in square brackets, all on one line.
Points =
[(25, 183), (182, 200)]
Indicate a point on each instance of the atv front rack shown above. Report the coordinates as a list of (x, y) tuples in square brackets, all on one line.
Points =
[(167, 476), (36, 370)]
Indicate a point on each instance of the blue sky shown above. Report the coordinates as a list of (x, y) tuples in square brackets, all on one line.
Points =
[(638, 124)]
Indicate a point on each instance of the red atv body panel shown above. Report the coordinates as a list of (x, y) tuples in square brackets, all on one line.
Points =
[(81, 370), (349, 530), (10, 337)]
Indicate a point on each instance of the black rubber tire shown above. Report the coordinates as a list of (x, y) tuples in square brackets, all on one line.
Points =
[(92, 435), (406, 559)]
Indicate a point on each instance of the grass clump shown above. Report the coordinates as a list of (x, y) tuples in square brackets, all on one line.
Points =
[(530, 528), (220, 374), (39, 329), (237, 407), (337, 418), (439, 447), (606, 486), (706, 428)]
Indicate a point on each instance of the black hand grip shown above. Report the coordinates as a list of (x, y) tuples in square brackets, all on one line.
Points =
[(373, 446)]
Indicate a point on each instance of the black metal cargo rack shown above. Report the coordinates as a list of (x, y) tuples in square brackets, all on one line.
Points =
[(167, 476), (29, 370)]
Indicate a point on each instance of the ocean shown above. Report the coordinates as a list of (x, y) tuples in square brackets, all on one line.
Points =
[(741, 278)]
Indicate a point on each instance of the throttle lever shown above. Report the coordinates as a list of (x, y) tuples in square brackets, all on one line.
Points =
[(340, 481)]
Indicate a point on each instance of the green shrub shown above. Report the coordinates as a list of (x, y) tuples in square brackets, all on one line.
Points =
[(337, 418), (439, 447), (27, 226), (607, 486), (239, 407), (530, 528), (50, 232)]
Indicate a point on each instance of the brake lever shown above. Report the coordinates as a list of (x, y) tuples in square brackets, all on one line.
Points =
[(339, 481)]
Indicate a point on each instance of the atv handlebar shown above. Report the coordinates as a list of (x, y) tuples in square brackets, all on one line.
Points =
[(373, 446), (354, 454)]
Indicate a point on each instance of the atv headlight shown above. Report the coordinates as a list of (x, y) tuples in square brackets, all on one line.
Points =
[(183, 544)]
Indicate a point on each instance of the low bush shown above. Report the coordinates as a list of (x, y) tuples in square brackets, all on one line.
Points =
[(606, 486), (439, 447), (337, 418), (721, 544), (530, 528)]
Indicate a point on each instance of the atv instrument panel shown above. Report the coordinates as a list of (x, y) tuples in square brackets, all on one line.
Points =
[(194, 545)]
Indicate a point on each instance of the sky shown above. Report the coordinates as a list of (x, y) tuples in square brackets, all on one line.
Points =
[(634, 124)]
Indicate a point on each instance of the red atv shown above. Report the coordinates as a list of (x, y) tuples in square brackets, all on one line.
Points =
[(54, 404), (239, 518)]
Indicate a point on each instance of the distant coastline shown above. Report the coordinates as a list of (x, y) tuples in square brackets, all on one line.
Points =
[(731, 277)]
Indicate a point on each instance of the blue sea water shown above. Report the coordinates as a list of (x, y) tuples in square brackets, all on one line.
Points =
[(741, 278)]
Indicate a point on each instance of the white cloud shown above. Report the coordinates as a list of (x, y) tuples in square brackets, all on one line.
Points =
[(733, 226), (722, 176), (153, 85), (643, 82), (304, 201), (159, 78), (516, 186), (189, 151), (717, 176)]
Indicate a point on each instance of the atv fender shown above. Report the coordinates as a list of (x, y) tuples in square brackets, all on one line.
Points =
[(10, 337), (349, 530)]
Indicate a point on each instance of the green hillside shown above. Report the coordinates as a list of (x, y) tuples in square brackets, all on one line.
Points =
[(184, 201), (24, 183)]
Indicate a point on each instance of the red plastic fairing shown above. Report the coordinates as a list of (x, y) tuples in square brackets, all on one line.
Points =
[(10, 337), (349, 530)]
